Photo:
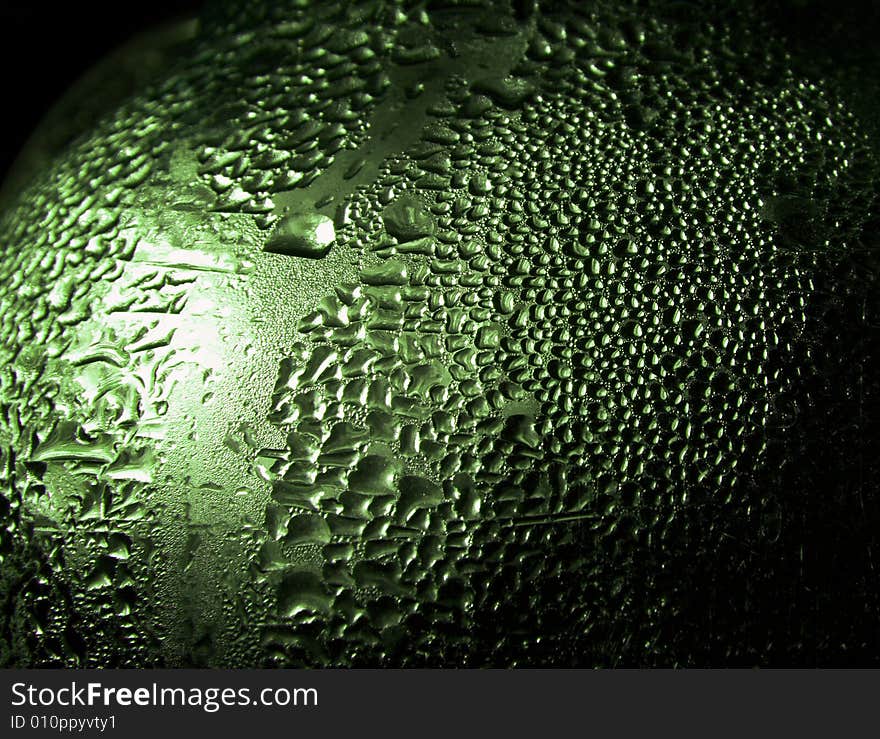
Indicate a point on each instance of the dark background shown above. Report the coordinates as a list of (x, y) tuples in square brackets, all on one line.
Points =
[(46, 47)]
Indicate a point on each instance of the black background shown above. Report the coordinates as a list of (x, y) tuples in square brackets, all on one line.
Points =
[(46, 47)]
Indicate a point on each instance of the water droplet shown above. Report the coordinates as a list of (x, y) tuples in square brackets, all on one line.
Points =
[(308, 235)]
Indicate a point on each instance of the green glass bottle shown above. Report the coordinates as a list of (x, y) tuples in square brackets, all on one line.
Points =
[(448, 333)]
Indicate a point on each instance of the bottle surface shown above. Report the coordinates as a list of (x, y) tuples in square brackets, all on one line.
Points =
[(478, 334)]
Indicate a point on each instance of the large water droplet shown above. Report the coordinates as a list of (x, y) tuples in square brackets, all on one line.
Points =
[(308, 235)]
